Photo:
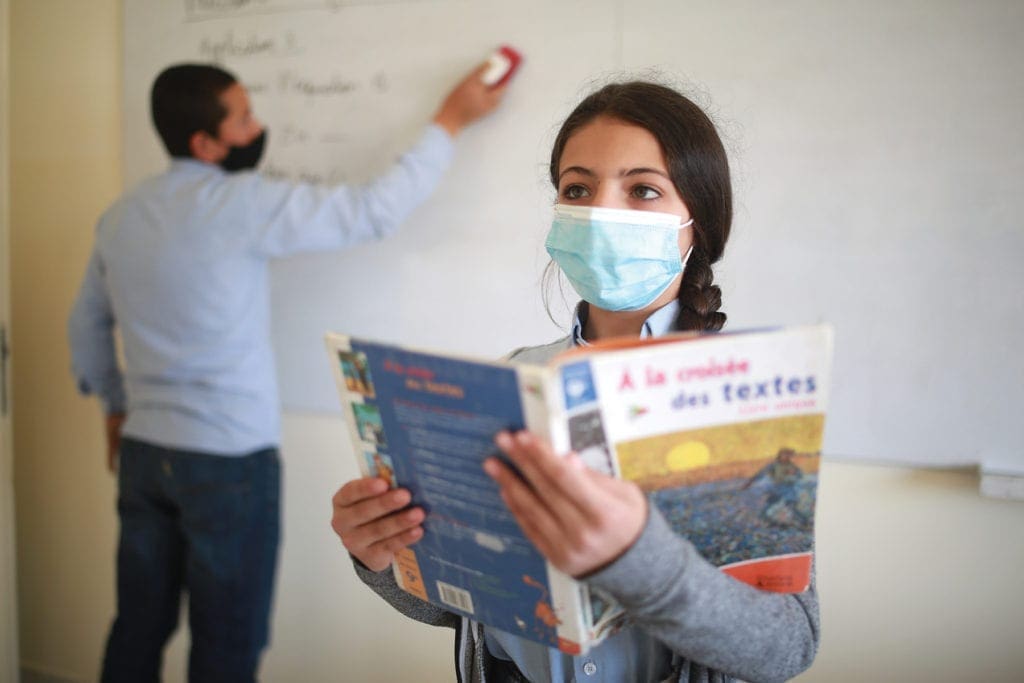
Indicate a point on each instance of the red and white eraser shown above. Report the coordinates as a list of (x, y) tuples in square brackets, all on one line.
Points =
[(500, 67)]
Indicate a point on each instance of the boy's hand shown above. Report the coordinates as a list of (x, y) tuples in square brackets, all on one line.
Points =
[(113, 425)]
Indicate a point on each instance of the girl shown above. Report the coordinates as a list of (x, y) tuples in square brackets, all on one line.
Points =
[(626, 150)]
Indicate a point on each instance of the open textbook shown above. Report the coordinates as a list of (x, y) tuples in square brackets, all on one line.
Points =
[(722, 431)]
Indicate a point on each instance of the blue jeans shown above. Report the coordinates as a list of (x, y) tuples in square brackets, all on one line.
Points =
[(202, 523)]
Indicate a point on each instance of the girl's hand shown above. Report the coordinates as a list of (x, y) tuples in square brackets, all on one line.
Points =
[(371, 522), (579, 519)]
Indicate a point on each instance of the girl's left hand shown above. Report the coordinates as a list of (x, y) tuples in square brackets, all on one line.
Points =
[(579, 519)]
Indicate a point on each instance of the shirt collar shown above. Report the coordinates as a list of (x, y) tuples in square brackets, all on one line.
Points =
[(659, 322), (193, 164)]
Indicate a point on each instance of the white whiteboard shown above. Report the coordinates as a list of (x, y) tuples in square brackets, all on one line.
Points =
[(877, 151)]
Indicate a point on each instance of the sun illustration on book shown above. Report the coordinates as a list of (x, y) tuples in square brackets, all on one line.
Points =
[(687, 456)]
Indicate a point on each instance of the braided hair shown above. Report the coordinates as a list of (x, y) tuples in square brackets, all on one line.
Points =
[(698, 167)]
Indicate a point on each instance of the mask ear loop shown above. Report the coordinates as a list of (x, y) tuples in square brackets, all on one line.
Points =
[(686, 258), (689, 251)]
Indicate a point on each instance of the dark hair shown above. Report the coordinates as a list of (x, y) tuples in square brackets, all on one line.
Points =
[(698, 167), (186, 99)]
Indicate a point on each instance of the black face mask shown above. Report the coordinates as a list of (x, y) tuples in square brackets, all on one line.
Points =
[(245, 158)]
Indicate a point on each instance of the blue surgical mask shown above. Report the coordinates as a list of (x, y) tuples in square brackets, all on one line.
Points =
[(616, 259)]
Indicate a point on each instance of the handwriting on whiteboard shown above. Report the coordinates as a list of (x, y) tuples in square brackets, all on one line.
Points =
[(204, 10)]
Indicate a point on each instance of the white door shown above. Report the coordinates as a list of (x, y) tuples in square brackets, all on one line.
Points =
[(8, 589)]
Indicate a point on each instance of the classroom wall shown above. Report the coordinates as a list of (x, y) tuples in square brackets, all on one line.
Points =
[(919, 576)]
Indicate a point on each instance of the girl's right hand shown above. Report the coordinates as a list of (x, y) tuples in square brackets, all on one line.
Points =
[(372, 521)]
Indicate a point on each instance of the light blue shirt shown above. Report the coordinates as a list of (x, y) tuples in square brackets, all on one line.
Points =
[(180, 269), (629, 655), (659, 322)]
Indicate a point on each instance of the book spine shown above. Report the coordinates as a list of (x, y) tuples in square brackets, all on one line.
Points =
[(405, 567), (544, 415), (339, 345)]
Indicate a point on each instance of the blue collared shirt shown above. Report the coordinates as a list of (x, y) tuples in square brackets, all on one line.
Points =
[(629, 655), (659, 322), (180, 269)]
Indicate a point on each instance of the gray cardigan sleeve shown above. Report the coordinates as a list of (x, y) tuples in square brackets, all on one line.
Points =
[(706, 616), (383, 584), (702, 614)]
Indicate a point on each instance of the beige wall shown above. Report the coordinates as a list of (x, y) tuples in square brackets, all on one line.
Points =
[(64, 169), (919, 576)]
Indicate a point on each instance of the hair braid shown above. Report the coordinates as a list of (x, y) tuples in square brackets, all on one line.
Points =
[(699, 297)]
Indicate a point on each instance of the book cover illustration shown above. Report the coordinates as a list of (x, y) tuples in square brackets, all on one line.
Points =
[(723, 433), (431, 435)]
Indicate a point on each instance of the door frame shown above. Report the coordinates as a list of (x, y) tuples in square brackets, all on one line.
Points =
[(8, 584)]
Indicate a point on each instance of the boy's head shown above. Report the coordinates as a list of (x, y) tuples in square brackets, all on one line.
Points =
[(202, 111)]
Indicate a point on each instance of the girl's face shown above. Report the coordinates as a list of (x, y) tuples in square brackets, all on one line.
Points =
[(617, 165)]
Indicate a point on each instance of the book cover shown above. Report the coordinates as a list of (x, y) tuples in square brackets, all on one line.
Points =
[(722, 431), (427, 422)]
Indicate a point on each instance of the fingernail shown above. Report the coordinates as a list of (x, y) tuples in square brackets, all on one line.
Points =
[(491, 467)]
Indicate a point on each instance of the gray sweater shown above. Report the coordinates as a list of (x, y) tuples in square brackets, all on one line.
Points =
[(717, 628)]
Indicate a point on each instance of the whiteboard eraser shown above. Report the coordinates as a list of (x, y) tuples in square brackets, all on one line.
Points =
[(500, 67)]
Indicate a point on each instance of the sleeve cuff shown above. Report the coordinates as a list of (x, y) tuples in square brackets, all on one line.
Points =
[(114, 402), (369, 576), (438, 139), (649, 566)]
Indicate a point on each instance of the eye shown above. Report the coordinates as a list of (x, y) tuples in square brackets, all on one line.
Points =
[(575, 192), (644, 192)]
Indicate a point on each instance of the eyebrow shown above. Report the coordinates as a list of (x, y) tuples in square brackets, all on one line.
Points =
[(631, 172)]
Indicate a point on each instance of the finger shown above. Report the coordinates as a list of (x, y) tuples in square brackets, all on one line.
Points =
[(359, 489), (492, 98), (531, 456), (495, 93), (379, 556), (379, 532), (540, 524), (366, 510), (514, 488), (562, 481), (402, 540)]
